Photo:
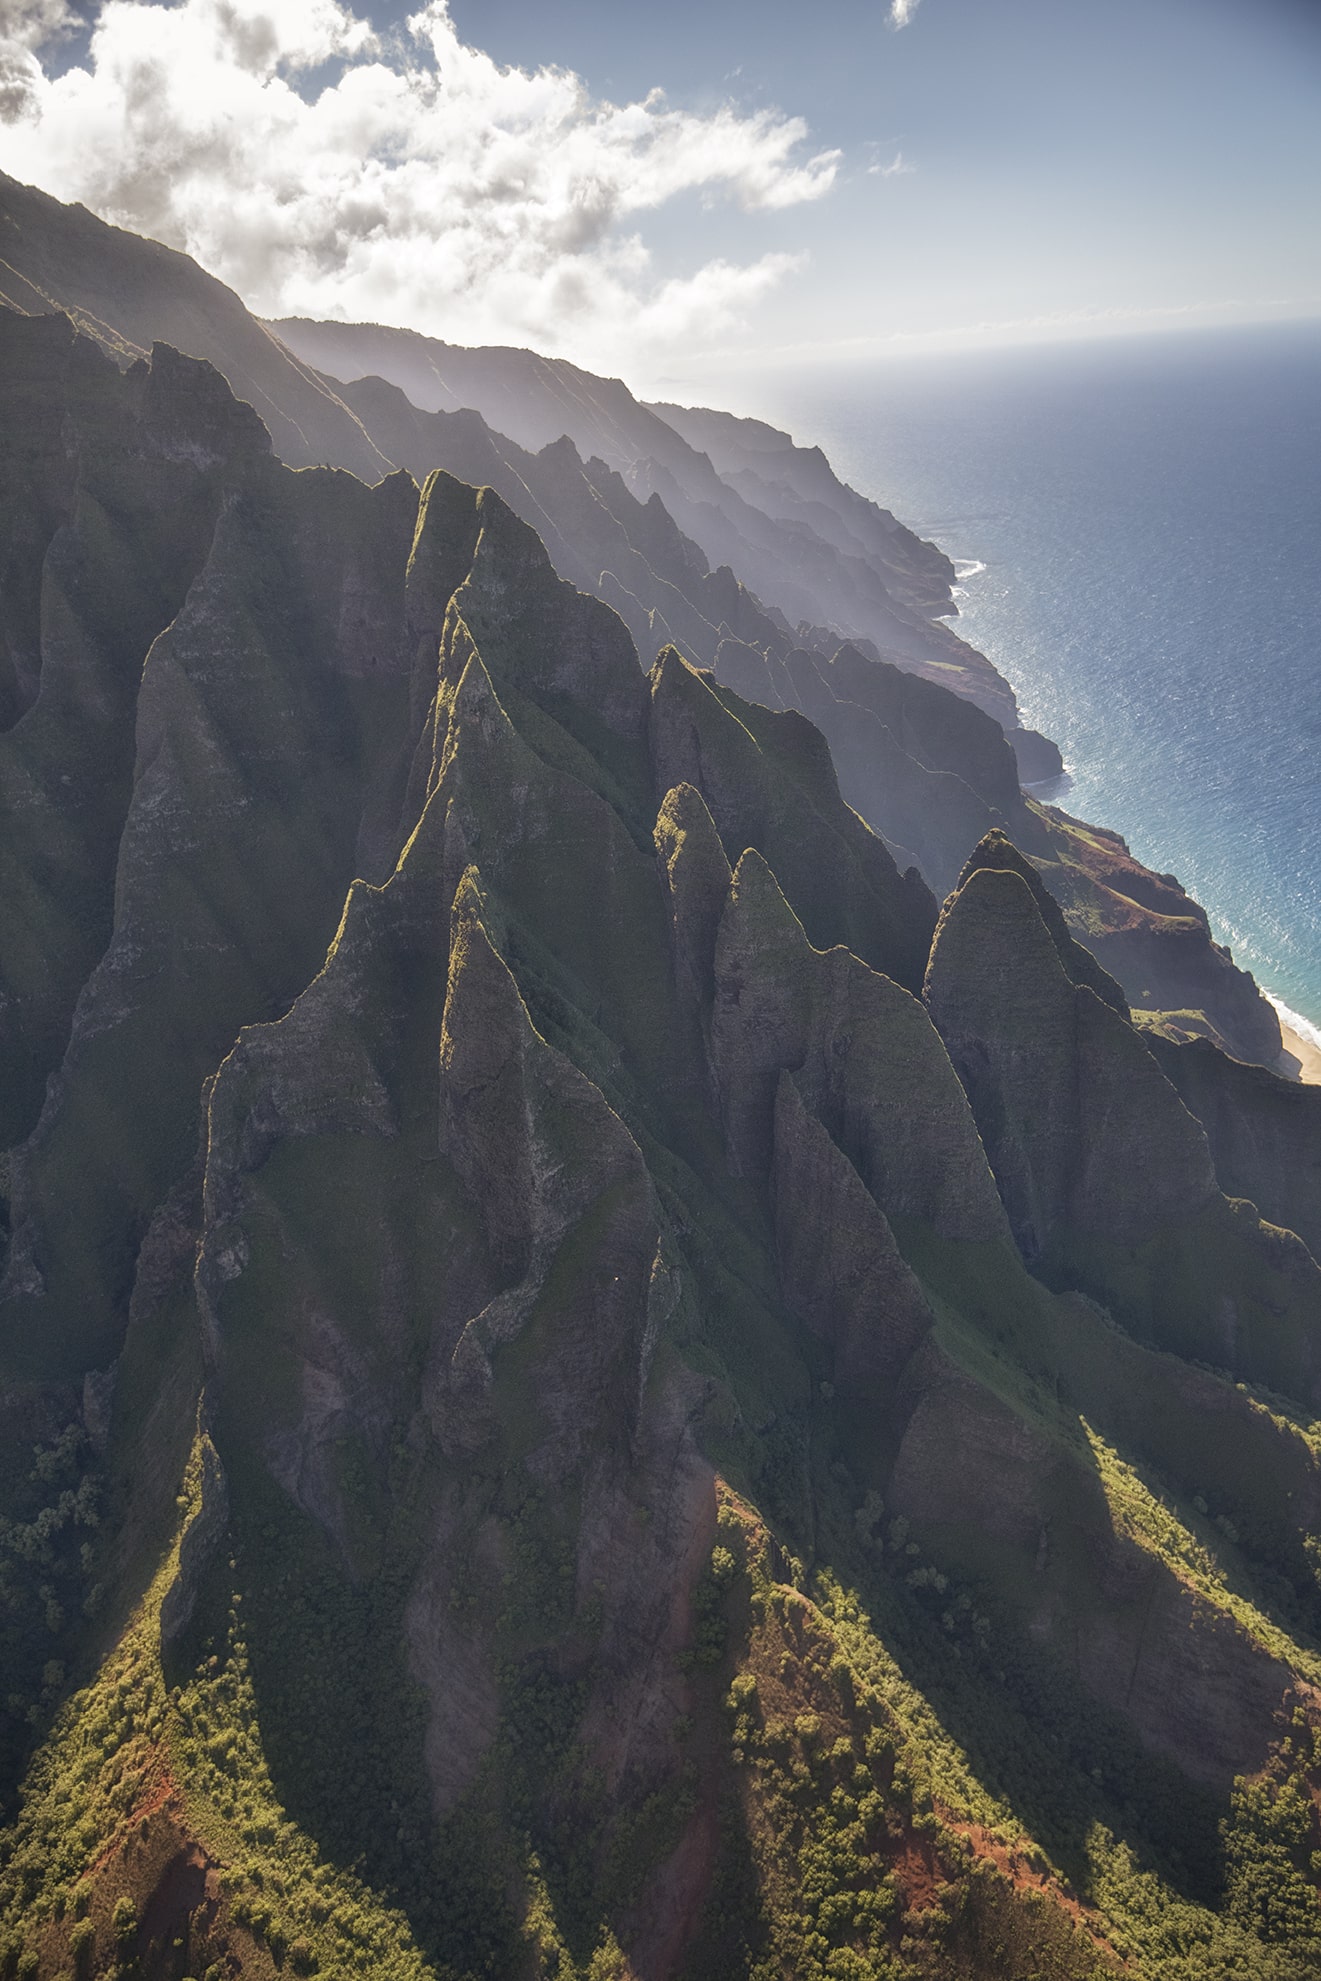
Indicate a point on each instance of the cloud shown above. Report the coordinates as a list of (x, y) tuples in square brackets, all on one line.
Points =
[(30, 23), (898, 168), (26, 25), (322, 169), (902, 12)]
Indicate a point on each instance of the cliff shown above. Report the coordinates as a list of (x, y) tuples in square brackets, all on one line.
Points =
[(127, 293), (591, 1388), (1264, 1132), (1154, 938), (882, 587), (671, 521), (798, 485)]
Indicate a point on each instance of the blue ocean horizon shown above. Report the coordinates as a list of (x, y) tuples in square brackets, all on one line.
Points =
[(1136, 526)]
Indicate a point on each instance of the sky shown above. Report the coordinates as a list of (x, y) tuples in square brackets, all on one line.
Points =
[(702, 186)]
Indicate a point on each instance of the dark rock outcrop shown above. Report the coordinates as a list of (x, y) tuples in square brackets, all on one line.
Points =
[(1264, 1132), (860, 1047), (841, 1269), (1106, 1177), (998, 852), (1082, 1129)]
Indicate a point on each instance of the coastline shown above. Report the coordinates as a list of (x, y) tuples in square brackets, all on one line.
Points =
[(1049, 506), (1300, 1059), (1301, 1049)]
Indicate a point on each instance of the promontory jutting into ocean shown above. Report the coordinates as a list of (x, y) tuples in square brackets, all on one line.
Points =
[(1144, 511)]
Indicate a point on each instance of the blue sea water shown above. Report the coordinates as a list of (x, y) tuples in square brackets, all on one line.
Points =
[(1139, 529)]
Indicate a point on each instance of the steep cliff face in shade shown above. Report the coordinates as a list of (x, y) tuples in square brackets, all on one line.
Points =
[(841, 1270), (111, 490), (860, 1050), (930, 772), (767, 779), (599, 535), (1061, 1085), (531, 1444), (998, 852), (261, 737), (127, 293), (1264, 1132), (1106, 1177)]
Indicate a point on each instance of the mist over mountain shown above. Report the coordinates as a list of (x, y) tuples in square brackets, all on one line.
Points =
[(594, 1383)]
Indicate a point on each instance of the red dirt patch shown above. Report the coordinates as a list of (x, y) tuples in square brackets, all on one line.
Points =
[(919, 1872), (158, 1790), (1024, 1875)]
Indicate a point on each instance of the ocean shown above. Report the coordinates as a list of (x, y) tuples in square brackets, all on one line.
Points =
[(1137, 526)]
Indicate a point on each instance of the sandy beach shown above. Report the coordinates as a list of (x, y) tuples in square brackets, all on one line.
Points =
[(1307, 1055)]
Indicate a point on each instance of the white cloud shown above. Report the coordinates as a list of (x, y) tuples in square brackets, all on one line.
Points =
[(898, 168), (412, 180), (32, 22), (902, 12), (26, 25)]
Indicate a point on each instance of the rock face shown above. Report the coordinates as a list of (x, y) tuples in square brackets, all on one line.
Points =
[(928, 771), (1153, 939), (112, 490), (842, 1271), (276, 684), (1264, 1132), (768, 782), (1068, 1097), (127, 294), (861, 1050), (599, 534), (532, 1445), (999, 853), (670, 520), (836, 561), (1100, 1165)]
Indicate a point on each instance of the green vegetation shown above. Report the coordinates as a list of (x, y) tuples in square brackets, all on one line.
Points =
[(135, 1765)]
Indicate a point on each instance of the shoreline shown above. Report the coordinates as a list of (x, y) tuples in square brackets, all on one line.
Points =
[(1017, 637), (1300, 1058), (1303, 1051)]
